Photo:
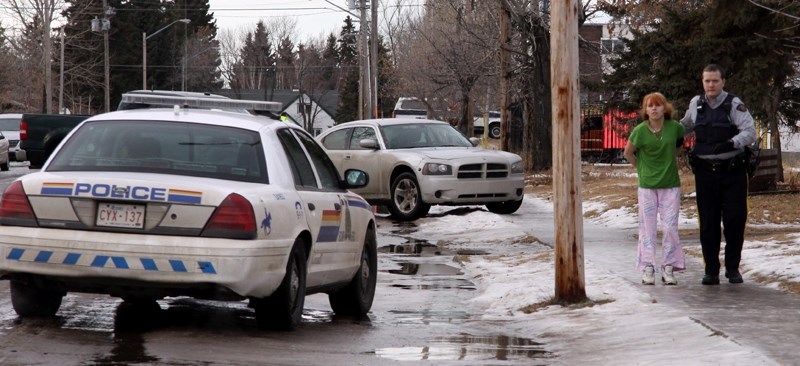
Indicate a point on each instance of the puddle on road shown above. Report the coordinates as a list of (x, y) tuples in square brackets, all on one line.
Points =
[(428, 317), (470, 348), (436, 276), (128, 348), (421, 248)]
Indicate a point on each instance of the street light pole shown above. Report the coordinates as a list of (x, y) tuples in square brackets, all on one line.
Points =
[(145, 37)]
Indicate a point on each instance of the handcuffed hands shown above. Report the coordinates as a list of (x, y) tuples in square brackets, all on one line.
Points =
[(723, 147)]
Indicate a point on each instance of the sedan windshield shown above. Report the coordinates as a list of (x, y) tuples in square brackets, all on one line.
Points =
[(407, 136), (164, 147)]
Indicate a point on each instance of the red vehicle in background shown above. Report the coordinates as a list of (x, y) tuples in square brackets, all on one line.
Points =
[(604, 134)]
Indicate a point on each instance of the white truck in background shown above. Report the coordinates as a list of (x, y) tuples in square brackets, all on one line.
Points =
[(410, 107)]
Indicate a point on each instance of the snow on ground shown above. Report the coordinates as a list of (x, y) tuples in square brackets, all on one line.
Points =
[(625, 325)]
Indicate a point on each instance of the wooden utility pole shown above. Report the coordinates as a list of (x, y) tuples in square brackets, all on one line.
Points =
[(373, 36), (504, 67), (363, 63), (567, 200)]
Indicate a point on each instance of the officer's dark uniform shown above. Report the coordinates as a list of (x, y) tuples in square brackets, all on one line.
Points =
[(720, 176)]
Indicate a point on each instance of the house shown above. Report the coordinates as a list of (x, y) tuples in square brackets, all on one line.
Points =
[(316, 109)]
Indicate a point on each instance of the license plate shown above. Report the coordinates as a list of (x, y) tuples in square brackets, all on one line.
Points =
[(120, 215)]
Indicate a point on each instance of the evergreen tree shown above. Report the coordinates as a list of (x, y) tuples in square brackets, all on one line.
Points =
[(743, 38), (386, 76), (349, 73), (257, 60), (330, 62), (285, 73), (129, 20)]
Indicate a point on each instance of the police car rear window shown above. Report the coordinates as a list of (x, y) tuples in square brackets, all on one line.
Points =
[(164, 147)]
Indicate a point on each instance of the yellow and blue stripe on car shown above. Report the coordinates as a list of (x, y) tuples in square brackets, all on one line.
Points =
[(174, 265)]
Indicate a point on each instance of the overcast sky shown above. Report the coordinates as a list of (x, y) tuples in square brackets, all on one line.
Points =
[(314, 17)]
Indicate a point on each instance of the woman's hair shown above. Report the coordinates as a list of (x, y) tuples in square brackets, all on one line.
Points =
[(657, 99)]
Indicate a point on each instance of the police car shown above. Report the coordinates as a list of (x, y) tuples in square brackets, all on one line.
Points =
[(154, 203)]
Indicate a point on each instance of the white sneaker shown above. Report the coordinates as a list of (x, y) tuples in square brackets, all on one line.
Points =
[(667, 276), (648, 276)]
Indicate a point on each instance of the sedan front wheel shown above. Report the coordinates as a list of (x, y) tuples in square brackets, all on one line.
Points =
[(406, 203)]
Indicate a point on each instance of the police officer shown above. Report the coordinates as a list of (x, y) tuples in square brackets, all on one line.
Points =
[(723, 127)]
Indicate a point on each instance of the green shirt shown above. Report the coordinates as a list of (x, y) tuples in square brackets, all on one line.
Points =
[(656, 162)]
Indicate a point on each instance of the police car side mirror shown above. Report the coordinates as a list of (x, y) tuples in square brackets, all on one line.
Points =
[(474, 141), (355, 178)]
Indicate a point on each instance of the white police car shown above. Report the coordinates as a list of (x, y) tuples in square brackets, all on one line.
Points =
[(146, 204)]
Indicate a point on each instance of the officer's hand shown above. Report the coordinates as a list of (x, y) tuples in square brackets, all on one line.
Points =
[(723, 147)]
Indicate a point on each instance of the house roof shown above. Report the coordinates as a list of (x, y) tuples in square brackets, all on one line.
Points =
[(328, 100)]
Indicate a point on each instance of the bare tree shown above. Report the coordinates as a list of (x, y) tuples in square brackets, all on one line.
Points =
[(203, 61), (37, 15), (440, 57)]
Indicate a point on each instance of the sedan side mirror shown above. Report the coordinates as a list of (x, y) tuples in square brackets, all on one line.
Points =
[(475, 141), (371, 144)]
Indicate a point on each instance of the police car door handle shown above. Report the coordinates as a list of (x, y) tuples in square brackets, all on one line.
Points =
[(347, 157), (311, 207), (337, 206)]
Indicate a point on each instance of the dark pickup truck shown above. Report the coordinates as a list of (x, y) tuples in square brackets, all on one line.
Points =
[(39, 134)]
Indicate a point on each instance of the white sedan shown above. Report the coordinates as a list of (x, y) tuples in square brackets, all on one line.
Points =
[(416, 163), (146, 204)]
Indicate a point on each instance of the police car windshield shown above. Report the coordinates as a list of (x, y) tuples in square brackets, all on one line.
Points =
[(164, 147)]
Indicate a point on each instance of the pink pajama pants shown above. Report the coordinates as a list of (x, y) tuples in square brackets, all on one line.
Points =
[(663, 204)]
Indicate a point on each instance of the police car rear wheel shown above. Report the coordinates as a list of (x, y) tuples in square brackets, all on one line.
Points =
[(284, 309), (29, 300), (356, 298)]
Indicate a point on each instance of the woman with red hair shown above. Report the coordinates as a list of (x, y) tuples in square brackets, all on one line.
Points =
[(653, 148)]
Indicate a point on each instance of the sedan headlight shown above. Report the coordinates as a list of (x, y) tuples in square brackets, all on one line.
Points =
[(516, 168), (437, 169)]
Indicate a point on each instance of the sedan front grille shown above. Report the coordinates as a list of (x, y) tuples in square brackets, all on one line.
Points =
[(483, 171)]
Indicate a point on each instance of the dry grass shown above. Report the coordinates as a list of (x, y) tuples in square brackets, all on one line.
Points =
[(615, 186)]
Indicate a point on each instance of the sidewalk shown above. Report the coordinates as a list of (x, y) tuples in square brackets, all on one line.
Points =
[(749, 314), (753, 316)]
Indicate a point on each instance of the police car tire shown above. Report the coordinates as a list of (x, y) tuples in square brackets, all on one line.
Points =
[(29, 300), (284, 309), (420, 209), (4, 167), (356, 298), (504, 208)]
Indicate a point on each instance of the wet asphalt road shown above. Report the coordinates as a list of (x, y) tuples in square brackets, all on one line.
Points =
[(420, 315)]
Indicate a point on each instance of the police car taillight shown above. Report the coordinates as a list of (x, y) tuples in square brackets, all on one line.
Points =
[(232, 219), (15, 209)]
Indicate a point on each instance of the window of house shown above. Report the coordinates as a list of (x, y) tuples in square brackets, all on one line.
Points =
[(611, 45)]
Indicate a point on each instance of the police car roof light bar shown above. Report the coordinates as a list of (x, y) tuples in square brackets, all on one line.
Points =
[(161, 101)]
